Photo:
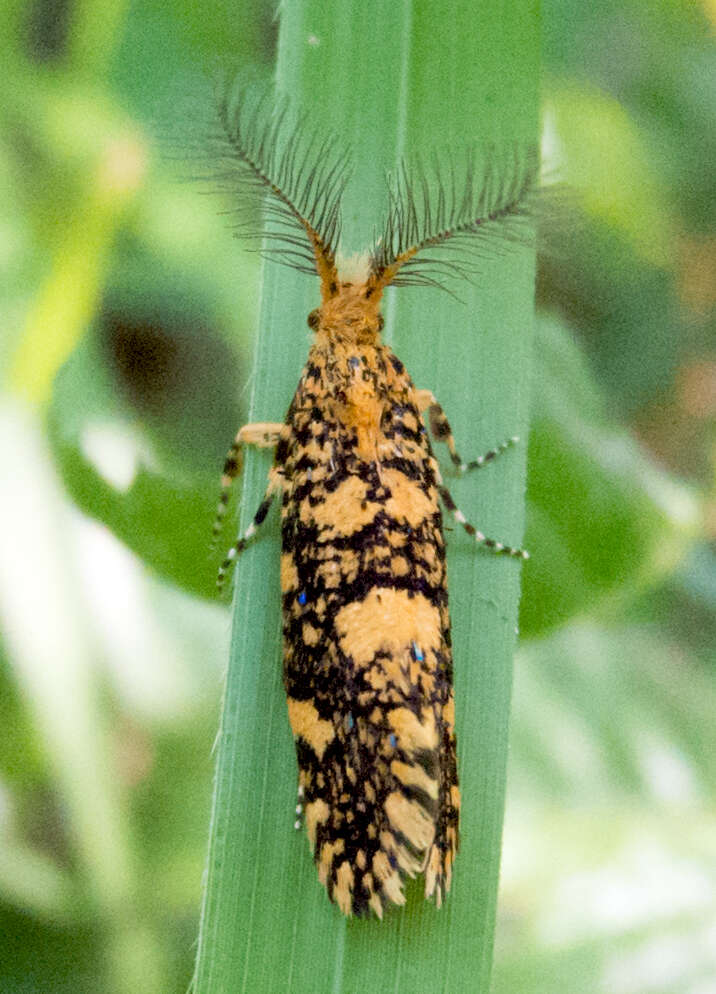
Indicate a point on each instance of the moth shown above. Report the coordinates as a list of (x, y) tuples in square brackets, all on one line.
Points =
[(367, 662)]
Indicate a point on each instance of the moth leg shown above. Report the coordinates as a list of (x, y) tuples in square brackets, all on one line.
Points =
[(264, 434), (499, 548), (275, 479), (442, 432)]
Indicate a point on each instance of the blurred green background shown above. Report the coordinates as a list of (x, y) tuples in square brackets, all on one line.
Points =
[(127, 315)]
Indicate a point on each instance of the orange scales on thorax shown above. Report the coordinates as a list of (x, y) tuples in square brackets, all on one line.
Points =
[(349, 321)]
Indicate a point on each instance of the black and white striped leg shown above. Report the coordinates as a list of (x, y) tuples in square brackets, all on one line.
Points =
[(498, 548), (442, 432), (239, 547), (232, 468), (264, 434)]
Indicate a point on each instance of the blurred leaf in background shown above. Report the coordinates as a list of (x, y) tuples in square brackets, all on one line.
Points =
[(610, 840), (127, 316)]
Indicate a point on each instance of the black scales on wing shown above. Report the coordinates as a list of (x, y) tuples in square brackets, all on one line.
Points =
[(367, 659)]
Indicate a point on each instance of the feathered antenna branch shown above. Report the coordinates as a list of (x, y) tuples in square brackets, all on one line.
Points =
[(269, 155), (469, 210)]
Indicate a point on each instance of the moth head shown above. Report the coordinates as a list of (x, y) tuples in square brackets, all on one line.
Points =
[(349, 310)]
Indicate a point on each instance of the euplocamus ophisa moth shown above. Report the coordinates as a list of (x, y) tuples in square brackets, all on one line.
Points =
[(367, 658)]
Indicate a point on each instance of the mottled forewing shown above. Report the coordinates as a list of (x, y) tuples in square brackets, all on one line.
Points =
[(367, 659)]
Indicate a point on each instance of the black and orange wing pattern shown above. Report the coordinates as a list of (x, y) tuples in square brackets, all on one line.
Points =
[(367, 660)]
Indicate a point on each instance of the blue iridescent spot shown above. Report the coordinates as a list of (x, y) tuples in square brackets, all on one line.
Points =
[(354, 362), (418, 652), (351, 722), (393, 741), (302, 598)]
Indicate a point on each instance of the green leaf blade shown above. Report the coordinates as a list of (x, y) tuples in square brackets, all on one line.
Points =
[(391, 83)]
